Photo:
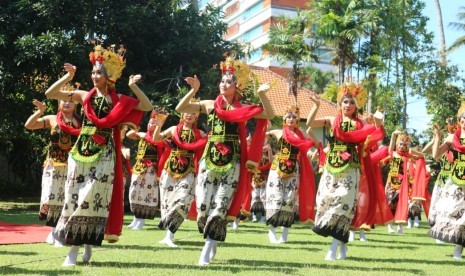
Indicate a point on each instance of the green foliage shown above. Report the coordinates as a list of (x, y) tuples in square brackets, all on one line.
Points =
[(330, 93), (317, 79), (164, 44)]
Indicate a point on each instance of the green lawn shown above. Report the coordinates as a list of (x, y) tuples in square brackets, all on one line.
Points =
[(245, 252)]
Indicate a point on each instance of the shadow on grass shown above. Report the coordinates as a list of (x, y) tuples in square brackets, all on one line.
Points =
[(414, 261), (16, 271), (18, 253), (242, 266)]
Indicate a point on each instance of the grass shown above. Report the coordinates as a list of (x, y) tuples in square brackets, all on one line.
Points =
[(245, 252)]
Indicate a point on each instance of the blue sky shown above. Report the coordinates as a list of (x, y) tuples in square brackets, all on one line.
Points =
[(416, 109)]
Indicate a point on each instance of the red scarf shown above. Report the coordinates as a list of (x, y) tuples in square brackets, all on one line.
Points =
[(419, 185), (456, 141), (197, 146), (240, 114), (123, 108), (307, 190), (67, 128), (367, 199), (163, 151)]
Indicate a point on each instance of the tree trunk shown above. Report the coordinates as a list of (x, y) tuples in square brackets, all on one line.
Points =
[(442, 39)]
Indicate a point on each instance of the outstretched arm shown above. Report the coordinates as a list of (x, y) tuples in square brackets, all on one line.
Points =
[(392, 143), (55, 92), (185, 105), (312, 114), (34, 121), (144, 102), (268, 112)]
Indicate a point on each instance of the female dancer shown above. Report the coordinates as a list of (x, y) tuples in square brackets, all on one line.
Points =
[(177, 180), (94, 190), (65, 127), (222, 180), (407, 169), (337, 199), (258, 196), (144, 189), (291, 179), (449, 225)]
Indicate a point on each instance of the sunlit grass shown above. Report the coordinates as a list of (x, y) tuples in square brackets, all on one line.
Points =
[(245, 252)]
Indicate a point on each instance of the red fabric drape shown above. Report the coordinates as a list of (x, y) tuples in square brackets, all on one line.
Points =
[(240, 114), (67, 128), (307, 190), (419, 175), (383, 214), (122, 108), (163, 151), (197, 146), (367, 198)]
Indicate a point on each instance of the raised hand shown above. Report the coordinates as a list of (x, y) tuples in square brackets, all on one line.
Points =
[(134, 79), (263, 88), (40, 106), (193, 82), (71, 69)]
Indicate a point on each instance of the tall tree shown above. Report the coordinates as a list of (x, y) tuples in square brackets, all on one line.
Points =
[(341, 23), (164, 43), (460, 26), (292, 40), (442, 38)]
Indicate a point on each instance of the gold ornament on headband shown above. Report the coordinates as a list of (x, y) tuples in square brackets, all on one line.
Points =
[(403, 137), (238, 69), (451, 126), (357, 91), (292, 110), (113, 61)]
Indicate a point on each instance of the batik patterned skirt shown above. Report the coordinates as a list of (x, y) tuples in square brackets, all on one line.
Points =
[(53, 193), (449, 223), (258, 199), (213, 195), (88, 191), (282, 195), (336, 201), (176, 196), (144, 194)]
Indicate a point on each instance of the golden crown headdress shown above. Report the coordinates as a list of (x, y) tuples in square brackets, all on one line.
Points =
[(357, 91), (451, 126), (113, 61), (403, 137), (292, 109), (239, 69)]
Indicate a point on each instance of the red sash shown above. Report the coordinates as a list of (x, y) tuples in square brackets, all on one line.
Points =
[(240, 114), (307, 190), (122, 107)]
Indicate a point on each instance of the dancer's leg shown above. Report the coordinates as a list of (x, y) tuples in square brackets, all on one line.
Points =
[(331, 255), (71, 258)]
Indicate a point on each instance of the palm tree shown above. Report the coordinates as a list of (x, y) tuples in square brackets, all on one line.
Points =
[(441, 32), (460, 26), (340, 23), (292, 40)]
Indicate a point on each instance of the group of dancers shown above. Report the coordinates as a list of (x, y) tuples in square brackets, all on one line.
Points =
[(222, 173)]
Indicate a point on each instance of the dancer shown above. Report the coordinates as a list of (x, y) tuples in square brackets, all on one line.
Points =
[(258, 196), (177, 180), (223, 177), (65, 127), (407, 167), (144, 188), (93, 205), (337, 200), (449, 223), (446, 164), (291, 180)]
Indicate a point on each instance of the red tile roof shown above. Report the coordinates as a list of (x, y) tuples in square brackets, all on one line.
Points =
[(281, 100)]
